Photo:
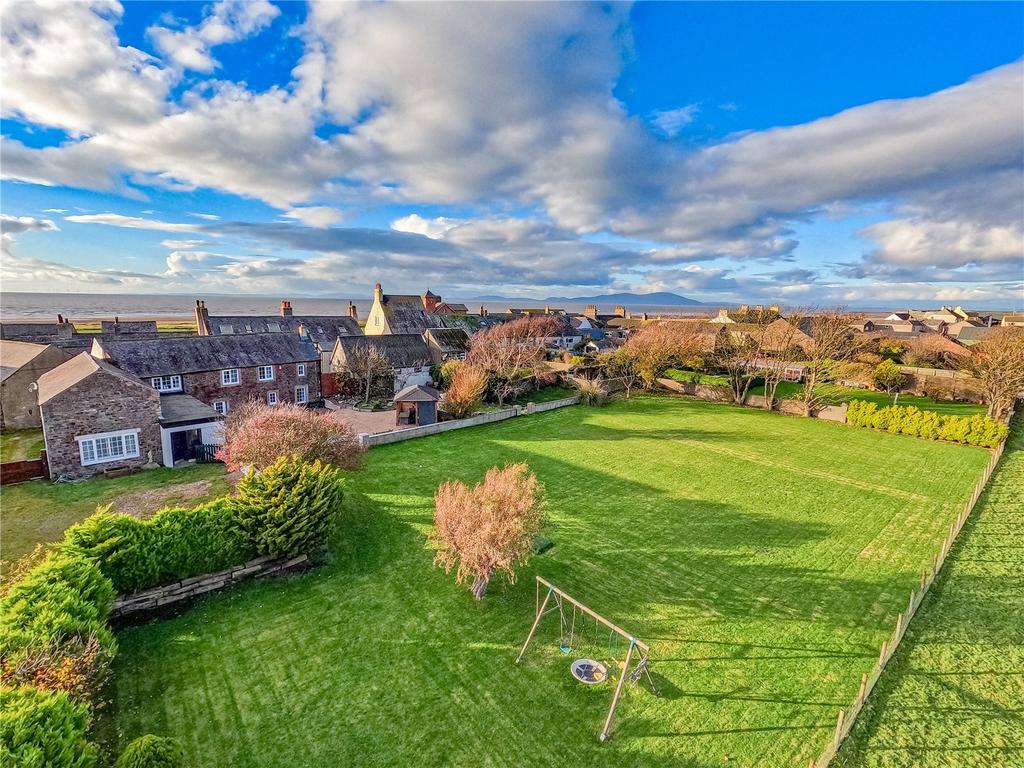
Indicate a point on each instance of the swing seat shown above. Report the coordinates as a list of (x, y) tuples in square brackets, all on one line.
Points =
[(589, 672), (565, 648)]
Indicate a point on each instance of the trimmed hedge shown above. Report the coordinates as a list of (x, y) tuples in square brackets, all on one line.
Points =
[(969, 430), (173, 544), (289, 507), (43, 729)]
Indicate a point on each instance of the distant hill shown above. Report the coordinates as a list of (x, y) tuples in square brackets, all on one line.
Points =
[(660, 299)]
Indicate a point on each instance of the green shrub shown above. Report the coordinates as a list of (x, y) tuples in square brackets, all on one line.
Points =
[(53, 630), (973, 430), (151, 751), (289, 507), (173, 544), (43, 729)]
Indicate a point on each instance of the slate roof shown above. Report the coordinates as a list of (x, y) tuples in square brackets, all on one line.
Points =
[(417, 393), (402, 350), (405, 314), (322, 329), (119, 327), (177, 409), (15, 354), (192, 354), (80, 367), (973, 333), (452, 307), (449, 340), (29, 331)]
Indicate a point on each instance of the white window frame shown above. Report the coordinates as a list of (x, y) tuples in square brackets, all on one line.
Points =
[(304, 390), (89, 446), (264, 368), (230, 377), (300, 370), (272, 398), (224, 404), (168, 383)]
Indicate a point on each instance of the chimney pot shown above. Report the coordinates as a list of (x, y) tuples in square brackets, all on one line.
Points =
[(286, 308)]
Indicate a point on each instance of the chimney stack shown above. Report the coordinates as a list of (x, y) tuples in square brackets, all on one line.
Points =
[(483, 311), (378, 294), (202, 319), (620, 311), (60, 319), (352, 311), (591, 311), (286, 308)]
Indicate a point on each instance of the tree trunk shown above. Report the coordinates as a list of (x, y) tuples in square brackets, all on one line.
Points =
[(479, 588)]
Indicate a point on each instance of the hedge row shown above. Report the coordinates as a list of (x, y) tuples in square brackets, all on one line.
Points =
[(55, 645), (969, 430), (284, 510)]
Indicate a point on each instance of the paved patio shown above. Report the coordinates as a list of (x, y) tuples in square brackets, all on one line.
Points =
[(366, 421)]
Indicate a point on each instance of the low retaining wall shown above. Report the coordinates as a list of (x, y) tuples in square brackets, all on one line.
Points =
[(723, 395), (23, 471), (383, 438), (169, 595)]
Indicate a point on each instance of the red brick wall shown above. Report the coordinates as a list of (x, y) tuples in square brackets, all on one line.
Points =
[(207, 387), (103, 402)]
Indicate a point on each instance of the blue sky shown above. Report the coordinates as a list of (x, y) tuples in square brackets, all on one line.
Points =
[(808, 153)]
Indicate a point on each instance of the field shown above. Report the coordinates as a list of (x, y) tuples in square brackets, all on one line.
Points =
[(763, 557), (18, 444), (952, 695), (38, 512)]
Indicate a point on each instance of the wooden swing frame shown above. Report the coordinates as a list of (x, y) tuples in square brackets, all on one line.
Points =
[(641, 648)]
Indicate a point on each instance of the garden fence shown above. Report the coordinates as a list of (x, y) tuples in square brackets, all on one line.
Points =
[(847, 717)]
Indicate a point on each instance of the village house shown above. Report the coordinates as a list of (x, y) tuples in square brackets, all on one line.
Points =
[(223, 371), (1015, 319), (21, 365), (446, 344), (395, 313), (321, 330), (65, 335), (96, 417), (406, 353)]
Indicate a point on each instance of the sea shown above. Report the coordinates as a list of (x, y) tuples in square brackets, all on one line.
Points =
[(44, 307)]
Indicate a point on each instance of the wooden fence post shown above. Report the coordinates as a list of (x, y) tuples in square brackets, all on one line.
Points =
[(837, 736)]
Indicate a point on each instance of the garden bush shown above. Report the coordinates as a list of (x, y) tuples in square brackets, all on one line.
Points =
[(43, 729), (173, 544), (151, 751), (53, 631), (973, 430), (289, 507)]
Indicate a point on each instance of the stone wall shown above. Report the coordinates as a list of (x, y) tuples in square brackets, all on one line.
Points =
[(206, 386), (101, 402), (383, 438), (722, 395), (167, 596), (19, 408)]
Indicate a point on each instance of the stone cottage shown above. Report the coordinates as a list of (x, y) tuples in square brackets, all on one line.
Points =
[(96, 417), (406, 353), (21, 365)]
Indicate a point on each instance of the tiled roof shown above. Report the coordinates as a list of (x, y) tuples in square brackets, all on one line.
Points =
[(417, 393), (118, 327), (448, 339), (322, 329), (76, 369), (175, 409), (15, 354), (192, 354), (402, 350), (405, 314)]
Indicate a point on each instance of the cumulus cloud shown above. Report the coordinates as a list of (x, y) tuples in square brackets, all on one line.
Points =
[(184, 245), (12, 226), (433, 228), (319, 216), (229, 21), (32, 272)]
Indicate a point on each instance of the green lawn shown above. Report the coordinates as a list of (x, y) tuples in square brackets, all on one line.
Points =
[(685, 377), (953, 695), (832, 394), (763, 557), (38, 512), (18, 444)]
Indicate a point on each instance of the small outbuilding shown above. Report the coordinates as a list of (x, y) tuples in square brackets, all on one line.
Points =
[(416, 406)]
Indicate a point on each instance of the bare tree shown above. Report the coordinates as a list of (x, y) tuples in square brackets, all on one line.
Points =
[(620, 365), (781, 349), (736, 356), (998, 362), (511, 352), (832, 344), (367, 364), (655, 348), (466, 392), (489, 527)]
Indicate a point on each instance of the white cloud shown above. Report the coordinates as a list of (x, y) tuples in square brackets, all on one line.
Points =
[(319, 216), (670, 122), (133, 222), (12, 226), (229, 21), (433, 228), (184, 245), (207, 216)]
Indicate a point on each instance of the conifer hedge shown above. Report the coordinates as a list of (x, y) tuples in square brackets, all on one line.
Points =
[(968, 430)]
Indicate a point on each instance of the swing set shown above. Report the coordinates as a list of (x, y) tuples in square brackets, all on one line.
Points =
[(588, 671)]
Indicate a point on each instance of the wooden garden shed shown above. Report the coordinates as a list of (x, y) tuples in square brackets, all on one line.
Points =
[(416, 406)]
